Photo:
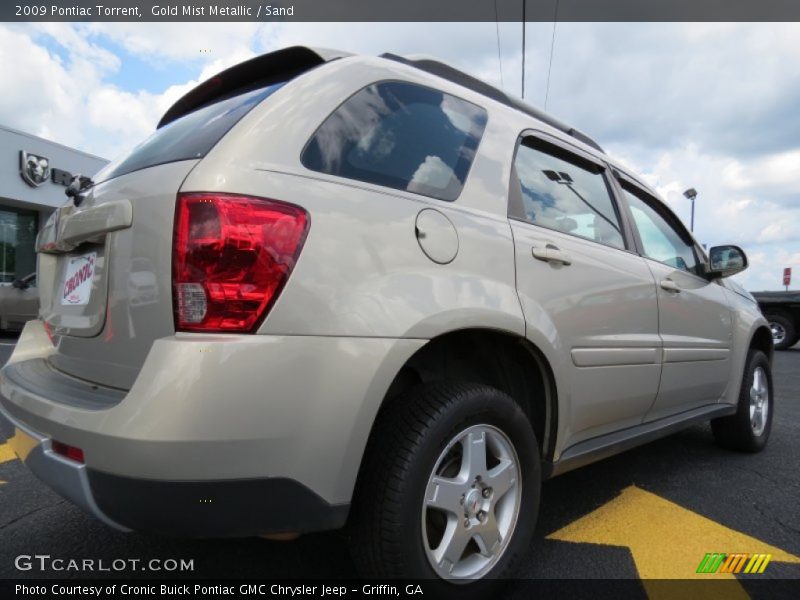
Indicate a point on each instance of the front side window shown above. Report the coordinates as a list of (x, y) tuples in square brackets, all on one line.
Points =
[(566, 193), (400, 135), (660, 240)]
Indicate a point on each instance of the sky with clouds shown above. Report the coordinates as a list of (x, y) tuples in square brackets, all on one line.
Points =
[(710, 106)]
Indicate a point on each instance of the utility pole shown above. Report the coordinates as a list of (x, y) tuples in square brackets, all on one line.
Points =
[(524, 2), (5, 247)]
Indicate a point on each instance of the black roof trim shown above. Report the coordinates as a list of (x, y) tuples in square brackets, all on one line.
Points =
[(434, 67)]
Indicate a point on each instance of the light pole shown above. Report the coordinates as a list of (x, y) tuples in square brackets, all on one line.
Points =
[(3, 239), (691, 194), (524, 4)]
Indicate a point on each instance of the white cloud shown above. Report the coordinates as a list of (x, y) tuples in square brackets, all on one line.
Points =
[(729, 87), (160, 42), (39, 92), (739, 201), (65, 96), (434, 172), (107, 105)]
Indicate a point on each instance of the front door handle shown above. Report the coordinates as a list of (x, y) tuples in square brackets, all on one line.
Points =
[(552, 254), (670, 286)]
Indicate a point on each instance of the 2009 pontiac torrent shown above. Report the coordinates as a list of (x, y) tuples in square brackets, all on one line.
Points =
[(336, 290)]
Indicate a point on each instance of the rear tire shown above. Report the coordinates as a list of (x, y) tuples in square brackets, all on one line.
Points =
[(783, 331), (748, 430), (423, 450)]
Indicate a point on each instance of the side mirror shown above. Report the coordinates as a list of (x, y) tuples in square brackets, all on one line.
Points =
[(20, 285), (724, 261)]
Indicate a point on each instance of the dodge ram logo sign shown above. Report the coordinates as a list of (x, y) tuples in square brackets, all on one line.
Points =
[(35, 170)]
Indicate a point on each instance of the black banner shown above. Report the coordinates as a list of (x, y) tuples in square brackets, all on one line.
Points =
[(551, 589), (400, 10)]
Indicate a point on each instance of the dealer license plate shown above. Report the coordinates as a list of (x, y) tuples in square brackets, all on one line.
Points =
[(77, 288)]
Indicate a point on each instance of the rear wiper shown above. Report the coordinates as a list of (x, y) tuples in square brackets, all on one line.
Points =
[(78, 187)]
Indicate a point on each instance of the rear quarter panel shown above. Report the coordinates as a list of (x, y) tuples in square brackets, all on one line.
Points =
[(362, 271)]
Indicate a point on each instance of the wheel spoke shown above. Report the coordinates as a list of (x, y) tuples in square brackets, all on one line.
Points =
[(451, 548), (488, 537), (757, 419), (445, 494), (473, 462), (502, 478), (759, 401)]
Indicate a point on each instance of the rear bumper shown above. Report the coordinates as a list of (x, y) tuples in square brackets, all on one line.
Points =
[(232, 508), (219, 436), (68, 478)]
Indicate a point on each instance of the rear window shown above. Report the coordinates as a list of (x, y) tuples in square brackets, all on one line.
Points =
[(190, 136), (400, 135)]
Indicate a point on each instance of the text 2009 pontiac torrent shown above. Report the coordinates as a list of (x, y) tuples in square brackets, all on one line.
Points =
[(380, 293)]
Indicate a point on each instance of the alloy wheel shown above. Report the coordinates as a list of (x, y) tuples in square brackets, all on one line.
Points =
[(759, 401), (778, 333), (472, 501)]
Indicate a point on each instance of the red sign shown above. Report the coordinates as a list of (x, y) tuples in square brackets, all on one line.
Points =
[(787, 276)]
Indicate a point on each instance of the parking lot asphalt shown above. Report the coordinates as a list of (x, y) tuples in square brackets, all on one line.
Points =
[(650, 512)]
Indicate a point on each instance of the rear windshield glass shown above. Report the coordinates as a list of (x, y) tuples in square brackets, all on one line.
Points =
[(191, 136), (402, 136)]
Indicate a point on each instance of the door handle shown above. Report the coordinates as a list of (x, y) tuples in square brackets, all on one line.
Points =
[(670, 286), (552, 254)]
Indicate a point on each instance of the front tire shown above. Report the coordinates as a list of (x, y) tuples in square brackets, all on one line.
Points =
[(748, 430), (449, 489)]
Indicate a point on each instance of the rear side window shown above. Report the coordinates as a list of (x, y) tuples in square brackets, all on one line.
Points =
[(190, 136), (565, 192), (400, 135)]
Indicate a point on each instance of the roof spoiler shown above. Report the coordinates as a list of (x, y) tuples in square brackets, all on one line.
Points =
[(440, 69), (259, 71)]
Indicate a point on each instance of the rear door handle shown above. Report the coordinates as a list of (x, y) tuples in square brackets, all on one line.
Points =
[(670, 286), (553, 254)]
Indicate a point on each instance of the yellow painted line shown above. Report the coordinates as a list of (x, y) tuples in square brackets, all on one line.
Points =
[(666, 541), (6, 453), (22, 444)]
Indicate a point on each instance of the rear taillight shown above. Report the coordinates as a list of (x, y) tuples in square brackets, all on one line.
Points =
[(231, 257)]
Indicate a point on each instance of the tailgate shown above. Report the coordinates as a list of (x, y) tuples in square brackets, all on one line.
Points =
[(105, 266), (105, 274)]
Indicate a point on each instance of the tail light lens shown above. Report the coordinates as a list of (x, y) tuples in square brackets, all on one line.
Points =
[(67, 451), (231, 257)]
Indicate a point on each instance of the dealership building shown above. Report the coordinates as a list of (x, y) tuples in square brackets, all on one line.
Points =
[(34, 173)]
